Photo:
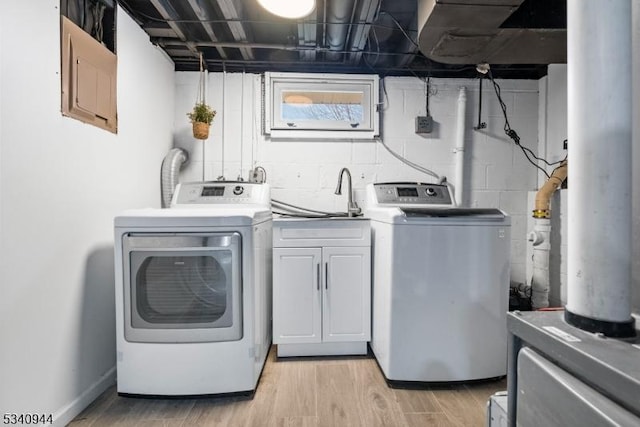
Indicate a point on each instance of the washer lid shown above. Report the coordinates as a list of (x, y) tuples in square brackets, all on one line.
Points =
[(488, 214), (432, 216)]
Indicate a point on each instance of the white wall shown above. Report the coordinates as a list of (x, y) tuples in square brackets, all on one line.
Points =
[(61, 183), (306, 173), (553, 94)]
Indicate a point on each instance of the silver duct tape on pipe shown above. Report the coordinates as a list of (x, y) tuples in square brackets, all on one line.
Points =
[(171, 165)]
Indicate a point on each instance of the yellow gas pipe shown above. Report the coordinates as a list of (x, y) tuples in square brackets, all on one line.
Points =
[(543, 196)]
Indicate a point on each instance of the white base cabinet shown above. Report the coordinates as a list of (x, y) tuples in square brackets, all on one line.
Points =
[(321, 286)]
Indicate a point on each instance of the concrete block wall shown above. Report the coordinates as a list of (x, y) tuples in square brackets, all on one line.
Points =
[(306, 172)]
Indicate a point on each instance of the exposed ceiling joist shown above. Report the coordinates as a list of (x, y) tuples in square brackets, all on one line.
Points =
[(167, 11), (361, 36), (230, 11), (204, 16)]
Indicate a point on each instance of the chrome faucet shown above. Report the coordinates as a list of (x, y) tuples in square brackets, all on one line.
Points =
[(352, 207)]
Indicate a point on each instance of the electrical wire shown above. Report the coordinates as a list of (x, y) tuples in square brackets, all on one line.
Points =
[(404, 32), (375, 37), (410, 163), (385, 96), (428, 88), (376, 15), (511, 133)]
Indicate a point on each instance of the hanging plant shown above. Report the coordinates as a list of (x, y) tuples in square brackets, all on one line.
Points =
[(202, 114), (201, 117)]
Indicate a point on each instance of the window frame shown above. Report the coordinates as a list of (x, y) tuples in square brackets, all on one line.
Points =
[(277, 83)]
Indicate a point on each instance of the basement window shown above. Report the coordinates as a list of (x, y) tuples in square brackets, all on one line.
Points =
[(321, 106)]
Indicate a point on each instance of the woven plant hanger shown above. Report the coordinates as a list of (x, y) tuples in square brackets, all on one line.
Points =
[(201, 130)]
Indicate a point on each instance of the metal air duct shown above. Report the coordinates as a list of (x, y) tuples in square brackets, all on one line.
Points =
[(470, 32), (339, 13)]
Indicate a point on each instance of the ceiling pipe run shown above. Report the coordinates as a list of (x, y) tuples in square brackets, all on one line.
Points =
[(600, 126), (338, 12), (469, 32)]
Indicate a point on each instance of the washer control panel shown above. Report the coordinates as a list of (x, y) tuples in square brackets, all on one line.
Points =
[(402, 193), (219, 192)]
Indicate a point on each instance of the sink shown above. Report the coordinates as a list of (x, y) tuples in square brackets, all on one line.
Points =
[(325, 231)]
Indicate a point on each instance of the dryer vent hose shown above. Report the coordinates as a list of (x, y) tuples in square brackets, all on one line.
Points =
[(171, 166)]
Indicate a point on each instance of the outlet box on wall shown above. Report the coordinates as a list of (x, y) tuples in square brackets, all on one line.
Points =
[(424, 124)]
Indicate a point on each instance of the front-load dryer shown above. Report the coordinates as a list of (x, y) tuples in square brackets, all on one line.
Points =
[(193, 291), (440, 285)]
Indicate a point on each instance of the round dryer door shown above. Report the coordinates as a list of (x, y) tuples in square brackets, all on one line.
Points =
[(183, 288)]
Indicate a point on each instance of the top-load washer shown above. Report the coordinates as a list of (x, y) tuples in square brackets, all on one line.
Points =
[(440, 285), (193, 291)]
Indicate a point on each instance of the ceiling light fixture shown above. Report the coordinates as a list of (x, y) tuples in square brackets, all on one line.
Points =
[(483, 67), (291, 9)]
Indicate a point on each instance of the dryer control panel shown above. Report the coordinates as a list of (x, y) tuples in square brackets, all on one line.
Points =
[(411, 193), (220, 192)]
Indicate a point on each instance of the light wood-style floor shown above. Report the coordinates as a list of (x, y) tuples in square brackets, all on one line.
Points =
[(306, 392)]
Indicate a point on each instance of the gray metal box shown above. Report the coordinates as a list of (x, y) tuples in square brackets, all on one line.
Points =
[(424, 124), (497, 410)]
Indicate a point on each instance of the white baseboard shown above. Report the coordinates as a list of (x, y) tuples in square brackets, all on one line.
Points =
[(65, 415), (323, 349)]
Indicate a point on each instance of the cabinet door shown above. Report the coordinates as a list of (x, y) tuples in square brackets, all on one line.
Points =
[(297, 294), (347, 294)]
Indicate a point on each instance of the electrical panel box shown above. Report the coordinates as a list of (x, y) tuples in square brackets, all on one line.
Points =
[(424, 124), (88, 72)]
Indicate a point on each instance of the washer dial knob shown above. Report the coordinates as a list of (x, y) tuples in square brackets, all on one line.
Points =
[(431, 192), (238, 190)]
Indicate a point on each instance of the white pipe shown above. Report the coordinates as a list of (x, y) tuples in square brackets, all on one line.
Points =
[(460, 146), (540, 237), (599, 125)]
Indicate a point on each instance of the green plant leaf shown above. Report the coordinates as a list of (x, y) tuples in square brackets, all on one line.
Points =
[(202, 113)]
